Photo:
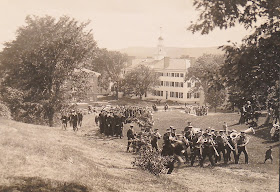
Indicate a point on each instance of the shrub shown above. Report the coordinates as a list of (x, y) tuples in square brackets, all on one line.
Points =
[(152, 161)]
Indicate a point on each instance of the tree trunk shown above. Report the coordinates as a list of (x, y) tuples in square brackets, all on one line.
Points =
[(117, 91), (50, 113)]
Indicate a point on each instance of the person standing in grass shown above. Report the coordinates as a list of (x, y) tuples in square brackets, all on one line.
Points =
[(268, 155), (130, 136), (241, 146)]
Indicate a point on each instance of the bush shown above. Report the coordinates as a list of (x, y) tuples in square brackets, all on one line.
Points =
[(5, 111), (152, 161)]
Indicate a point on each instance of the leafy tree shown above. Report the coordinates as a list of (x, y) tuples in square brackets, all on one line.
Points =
[(110, 64), (206, 71), (140, 80), (252, 68), (37, 63)]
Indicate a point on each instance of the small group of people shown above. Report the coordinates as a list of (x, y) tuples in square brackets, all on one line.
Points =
[(196, 110), (112, 119), (142, 138), (75, 119), (111, 122)]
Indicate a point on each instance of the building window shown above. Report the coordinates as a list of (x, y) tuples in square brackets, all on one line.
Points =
[(161, 93), (181, 95), (181, 74), (172, 74), (196, 95), (172, 84), (171, 94), (181, 84), (177, 75), (167, 83), (176, 84), (189, 95), (196, 84), (189, 84), (176, 94), (161, 83)]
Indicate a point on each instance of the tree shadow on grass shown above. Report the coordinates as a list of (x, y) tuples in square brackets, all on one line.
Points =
[(36, 184)]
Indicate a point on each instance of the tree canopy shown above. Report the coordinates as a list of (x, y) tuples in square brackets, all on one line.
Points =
[(37, 63), (140, 80), (110, 64), (206, 70), (252, 68)]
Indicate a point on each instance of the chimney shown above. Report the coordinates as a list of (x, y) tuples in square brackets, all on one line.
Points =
[(166, 61)]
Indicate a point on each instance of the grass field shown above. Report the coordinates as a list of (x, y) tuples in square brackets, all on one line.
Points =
[(40, 158)]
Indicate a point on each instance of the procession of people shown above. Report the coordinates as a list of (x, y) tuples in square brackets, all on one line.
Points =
[(186, 147)]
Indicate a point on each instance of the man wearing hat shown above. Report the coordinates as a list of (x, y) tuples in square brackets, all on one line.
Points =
[(207, 149), (241, 146), (130, 136), (196, 145), (220, 140), (154, 141)]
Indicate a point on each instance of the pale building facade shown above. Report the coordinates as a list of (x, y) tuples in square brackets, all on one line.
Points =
[(171, 73)]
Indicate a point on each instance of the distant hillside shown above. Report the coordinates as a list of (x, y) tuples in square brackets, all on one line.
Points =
[(174, 52)]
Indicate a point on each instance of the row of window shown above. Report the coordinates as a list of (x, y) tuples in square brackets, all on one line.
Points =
[(171, 84), (195, 95), (176, 84), (189, 84), (171, 74), (158, 93), (176, 94)]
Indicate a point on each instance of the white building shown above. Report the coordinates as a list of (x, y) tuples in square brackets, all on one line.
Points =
[(172, 77)]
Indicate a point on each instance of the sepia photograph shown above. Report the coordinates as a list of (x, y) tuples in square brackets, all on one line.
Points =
[(139, 95)]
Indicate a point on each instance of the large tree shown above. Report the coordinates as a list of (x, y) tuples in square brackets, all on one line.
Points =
[(110, 64), (140, 80), (251, 69), (206, 70), (37, 63)]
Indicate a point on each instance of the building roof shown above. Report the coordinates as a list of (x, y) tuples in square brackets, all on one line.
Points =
[(173, 64), (87, 71)]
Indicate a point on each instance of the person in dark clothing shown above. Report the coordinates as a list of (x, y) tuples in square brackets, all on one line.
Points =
[(75, 121), (80, 118), (130, 136), (268, 155), (207, 150), (64, 121), (241, 146)]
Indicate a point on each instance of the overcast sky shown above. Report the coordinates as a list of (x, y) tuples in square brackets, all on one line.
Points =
[(120, 23)]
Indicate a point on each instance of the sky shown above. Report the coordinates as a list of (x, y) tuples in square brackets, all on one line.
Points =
[(120, 24)]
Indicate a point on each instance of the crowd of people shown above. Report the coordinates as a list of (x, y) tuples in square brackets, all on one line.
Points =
[(112, 119), (196, 110), (190, 146), (192, 143)]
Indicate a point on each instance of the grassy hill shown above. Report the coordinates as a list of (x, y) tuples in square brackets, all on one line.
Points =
[(39, 158)]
